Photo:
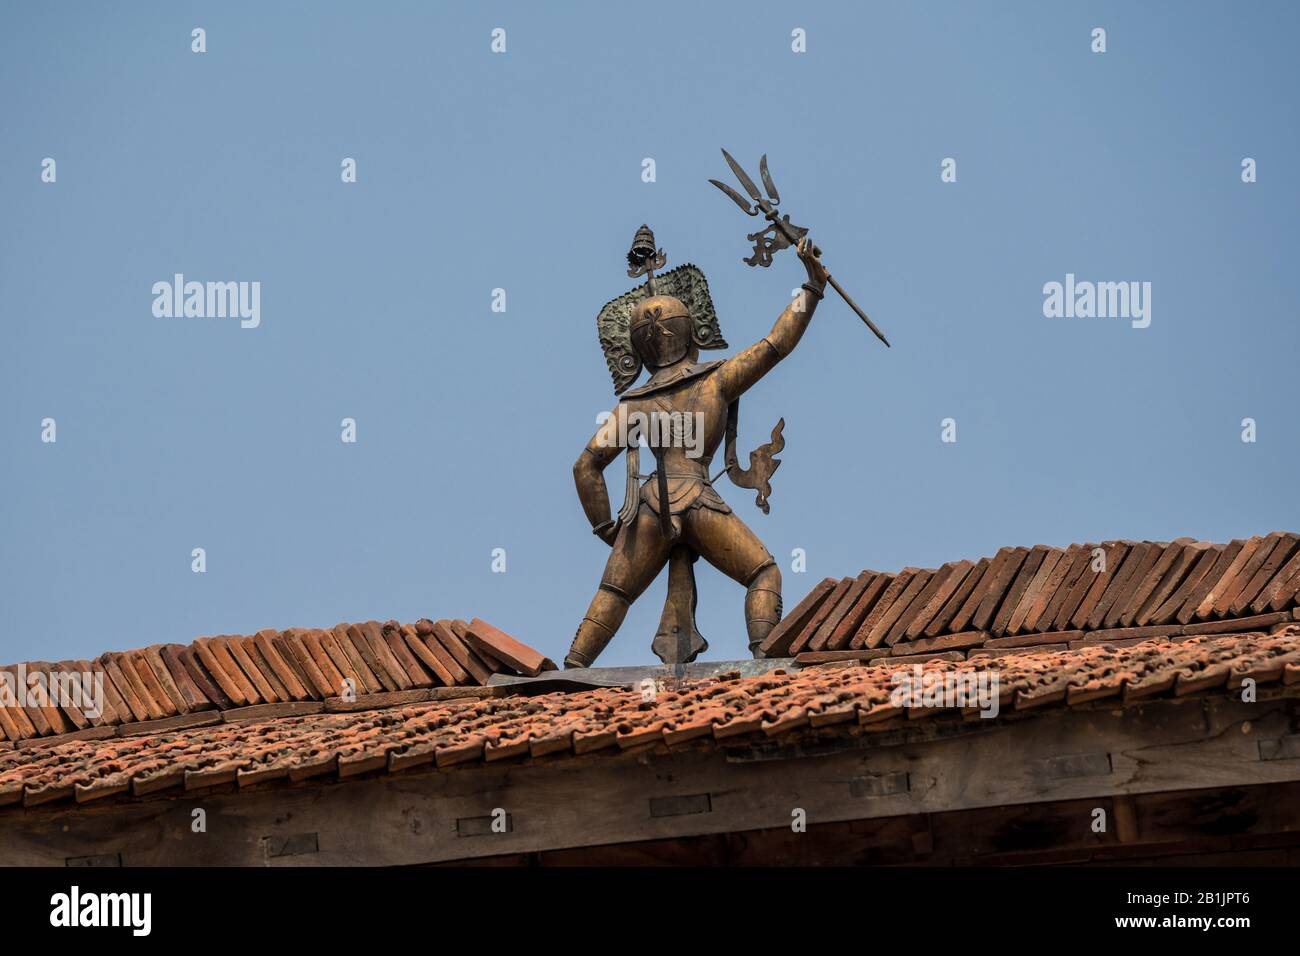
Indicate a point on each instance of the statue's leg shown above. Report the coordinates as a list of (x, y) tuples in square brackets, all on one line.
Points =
[(639, 554), (727, 543)]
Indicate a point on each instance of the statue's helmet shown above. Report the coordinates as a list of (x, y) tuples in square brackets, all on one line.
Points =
[(661, 328), (632, 338)]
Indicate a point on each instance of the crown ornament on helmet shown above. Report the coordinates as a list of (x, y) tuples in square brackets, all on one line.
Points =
[(681, 292)]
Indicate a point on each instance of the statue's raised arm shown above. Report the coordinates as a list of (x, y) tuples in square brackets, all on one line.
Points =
[(745, 368)]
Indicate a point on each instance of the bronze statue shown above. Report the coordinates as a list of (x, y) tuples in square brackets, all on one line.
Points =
[(683, 413)]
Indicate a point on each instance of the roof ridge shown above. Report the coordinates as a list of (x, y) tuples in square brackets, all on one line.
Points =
[(292, 672), (1041, 595)]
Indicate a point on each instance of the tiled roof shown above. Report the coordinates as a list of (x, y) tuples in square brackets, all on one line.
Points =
[(853, 698), (1040, 596), (168, 686)]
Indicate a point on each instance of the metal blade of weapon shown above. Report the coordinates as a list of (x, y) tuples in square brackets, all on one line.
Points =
[(783, 227), (735, 197), (770, 186), (748, 183)]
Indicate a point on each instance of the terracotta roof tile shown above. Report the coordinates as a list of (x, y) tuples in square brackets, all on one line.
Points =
[(201, 679), (1013, 651), (943, 621), (79, 719), (777, 643), (163, 674), (419, 675), (221, 668), (1002, 573), (1019, 584), (340, 659), (432, 662), (230, 656), (1073, 588), (1096, 582), (125, 690), (1178, 560), (842, 608), (115, 711), (1142, 557), (483, 636), (940, 590), (825, 609), (1282, 550), (120, 704), (335, 678), (1196, 573), (1201, 598), (9, 726), (1237, 625), (358, 668), (907, 606), (1134, 581), (149, 682), (1252, 556), (293, 647), (1143, 586), (361, 645), (1281, 591), (388, 669), (878, 622), (945, 642), (482, 651), (887, 599), (491, 665), (227, 650), (450, 640), (866, 600), (1036, 593), (392, 668), (427, 633)]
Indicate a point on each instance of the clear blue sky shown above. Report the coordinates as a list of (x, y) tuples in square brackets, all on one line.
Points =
[(523, 171)]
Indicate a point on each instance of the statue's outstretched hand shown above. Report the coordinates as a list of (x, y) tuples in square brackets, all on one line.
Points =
[(809, 253)]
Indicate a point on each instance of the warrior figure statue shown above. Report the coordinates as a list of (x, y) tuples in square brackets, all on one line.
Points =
[(676, 515)]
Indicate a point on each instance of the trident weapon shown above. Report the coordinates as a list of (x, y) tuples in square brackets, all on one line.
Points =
[(781, 233)]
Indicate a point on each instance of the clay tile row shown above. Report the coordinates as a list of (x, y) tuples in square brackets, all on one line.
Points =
[(173, 682), (1066, 594), (723, 711)]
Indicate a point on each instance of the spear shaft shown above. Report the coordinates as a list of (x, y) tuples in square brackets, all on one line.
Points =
[(771, 215)]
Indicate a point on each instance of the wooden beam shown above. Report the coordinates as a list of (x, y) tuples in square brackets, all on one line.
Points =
[(909, 768)]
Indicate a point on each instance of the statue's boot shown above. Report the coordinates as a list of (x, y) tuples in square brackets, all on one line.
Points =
[(678, 640), (762, 605), (606, 613)]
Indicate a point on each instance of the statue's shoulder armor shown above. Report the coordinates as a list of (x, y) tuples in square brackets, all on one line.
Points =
[(686, 375)]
